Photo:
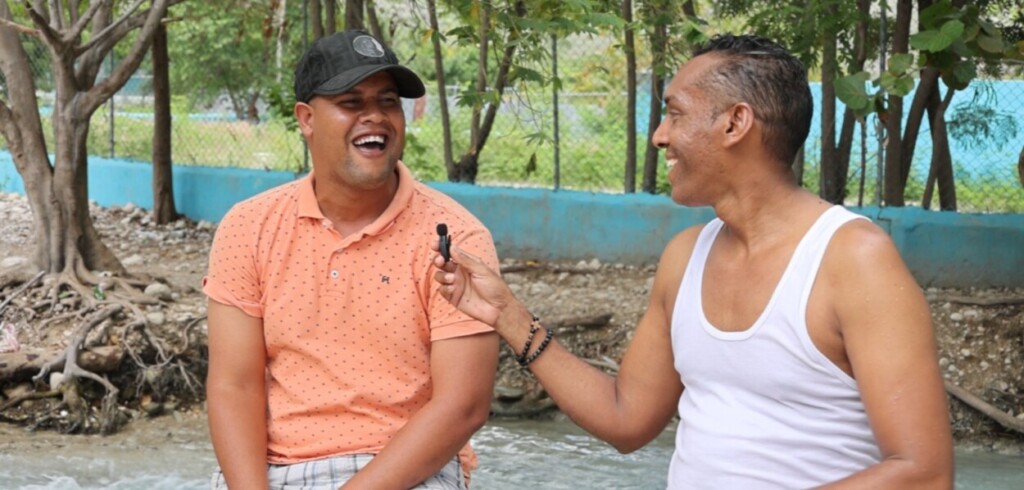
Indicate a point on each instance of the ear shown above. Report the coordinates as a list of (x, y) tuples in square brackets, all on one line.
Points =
[(739, 123), (304, 116)]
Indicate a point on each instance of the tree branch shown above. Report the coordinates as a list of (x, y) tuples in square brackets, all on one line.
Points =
[(105, 33), (1002, 418), (102, 91), (21, 28), (56, 15), (82, 22), (51, 36)]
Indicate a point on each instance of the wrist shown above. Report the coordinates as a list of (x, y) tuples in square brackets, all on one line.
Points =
[(513, 322)]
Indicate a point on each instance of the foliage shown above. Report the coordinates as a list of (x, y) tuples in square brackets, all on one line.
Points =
[(228, 48), (952, 40)]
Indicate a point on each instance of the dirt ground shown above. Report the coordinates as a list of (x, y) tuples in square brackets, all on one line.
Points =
[(593, 307)]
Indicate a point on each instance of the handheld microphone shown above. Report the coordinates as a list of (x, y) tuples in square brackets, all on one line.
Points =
[(444, 241)]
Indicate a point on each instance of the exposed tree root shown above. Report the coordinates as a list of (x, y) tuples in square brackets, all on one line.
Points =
[(110, 323), (21, 289), (1002, 418)]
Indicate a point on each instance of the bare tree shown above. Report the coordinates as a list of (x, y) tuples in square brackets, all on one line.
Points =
[(77, 42)]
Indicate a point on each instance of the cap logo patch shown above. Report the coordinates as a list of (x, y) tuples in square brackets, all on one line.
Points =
[(367, 46)]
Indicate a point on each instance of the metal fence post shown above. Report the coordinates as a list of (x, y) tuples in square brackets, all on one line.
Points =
[(554, 97)]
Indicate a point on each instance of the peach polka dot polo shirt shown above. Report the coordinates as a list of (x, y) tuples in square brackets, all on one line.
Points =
[(348, 321)]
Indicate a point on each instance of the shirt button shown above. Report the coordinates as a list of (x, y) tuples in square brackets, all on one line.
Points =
[(340, 250), (334, 274)]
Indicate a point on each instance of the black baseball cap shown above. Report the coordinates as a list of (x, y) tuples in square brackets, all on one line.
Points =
[(336, 63)]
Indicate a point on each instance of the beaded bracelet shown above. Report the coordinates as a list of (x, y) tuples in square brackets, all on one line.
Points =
[(543, 345), (534, 326)]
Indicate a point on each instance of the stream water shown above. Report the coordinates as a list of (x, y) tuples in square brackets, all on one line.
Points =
[(169, 454)]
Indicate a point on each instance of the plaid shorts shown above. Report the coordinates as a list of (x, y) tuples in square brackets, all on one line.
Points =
[(331, 473)]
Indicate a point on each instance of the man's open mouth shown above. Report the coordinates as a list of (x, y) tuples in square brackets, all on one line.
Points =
[(371, 142)]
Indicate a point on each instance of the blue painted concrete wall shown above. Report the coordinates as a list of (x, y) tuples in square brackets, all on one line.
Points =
[(941, 249)]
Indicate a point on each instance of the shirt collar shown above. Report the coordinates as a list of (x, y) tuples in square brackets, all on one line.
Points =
[(309, 208)]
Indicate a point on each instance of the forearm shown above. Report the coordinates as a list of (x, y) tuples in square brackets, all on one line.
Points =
[(896, 473), (586, 394), (238, 429), (431, 438)]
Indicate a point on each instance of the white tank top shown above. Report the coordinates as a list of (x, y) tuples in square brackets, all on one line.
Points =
[(764, 408)]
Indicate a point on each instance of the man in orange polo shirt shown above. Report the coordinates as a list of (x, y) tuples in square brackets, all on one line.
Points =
[(334, 360)]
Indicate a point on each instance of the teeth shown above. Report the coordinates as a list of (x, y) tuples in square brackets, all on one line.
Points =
[(670, 162), (373, 138)]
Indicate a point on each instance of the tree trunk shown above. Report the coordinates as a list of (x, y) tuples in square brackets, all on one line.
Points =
[(374, 22), (1020, 167), (845, 145), (659, 47), (480, 132), (894, 186), (331, 20), (66, 239), (927, 95), (442, 92), (481, 89), (163, 185), (315, 19), (629, 185), (354, 14), (832, 178), (798, 167), (941, 169), (280, 9)]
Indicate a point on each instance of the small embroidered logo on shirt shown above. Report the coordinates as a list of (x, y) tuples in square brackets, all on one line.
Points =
[(385, 279)]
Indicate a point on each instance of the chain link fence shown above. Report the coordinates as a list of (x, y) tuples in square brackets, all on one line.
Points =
[(588, 150)]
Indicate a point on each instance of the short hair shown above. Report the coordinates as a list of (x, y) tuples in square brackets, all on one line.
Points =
[(765, 75)]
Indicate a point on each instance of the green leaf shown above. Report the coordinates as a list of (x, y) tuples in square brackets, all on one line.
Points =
[(932, 16), (989, 28), (965, 71), (992, 44), (526, 74), (899, 85), (900, 63), (850, 90), (938, 40), (98, 293)]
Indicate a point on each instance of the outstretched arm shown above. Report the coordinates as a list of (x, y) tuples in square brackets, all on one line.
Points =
[(628, 410), (887, 333)]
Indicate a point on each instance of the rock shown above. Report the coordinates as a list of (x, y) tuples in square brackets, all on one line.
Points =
[(56, 378), (159, 291), (13, 262), (508, 394), (156, 318), (956, 317), (541, 289), (133, 260)]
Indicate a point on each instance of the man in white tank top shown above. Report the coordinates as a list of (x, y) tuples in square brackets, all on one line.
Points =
[(788, 334)]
